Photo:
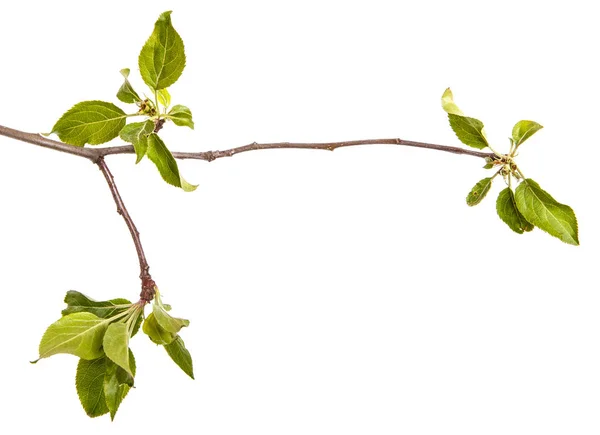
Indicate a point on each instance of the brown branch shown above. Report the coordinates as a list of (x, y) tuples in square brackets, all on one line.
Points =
[(147, 281), (94, 154), (209, 156)]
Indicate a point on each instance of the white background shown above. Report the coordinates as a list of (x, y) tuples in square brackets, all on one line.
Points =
[(351, 292)]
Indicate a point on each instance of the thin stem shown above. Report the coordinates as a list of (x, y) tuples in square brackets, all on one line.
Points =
[(147, 281)]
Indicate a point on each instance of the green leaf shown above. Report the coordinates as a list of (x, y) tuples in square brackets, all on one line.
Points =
[(506, 207), (448, 103), (116, 345), (164, 319), (543, 211), (181, 116), (89, 382), (523, 130), (78, 302), (164, 97), (162, 58), (479, 191), (181, 356), (117, 383), (165, 163), (92, 122), (156, 332), (468, 130), (137, 134), (79, 334), (126, 93)]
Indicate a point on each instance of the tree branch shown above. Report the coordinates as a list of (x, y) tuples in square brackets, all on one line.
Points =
[(94, 154), (148, 283)]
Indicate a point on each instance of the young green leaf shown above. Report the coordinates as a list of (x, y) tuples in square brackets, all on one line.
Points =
[(164, 319), (181, 116), (89, 382), (164, 97), (137, 134), (126, 93), (116, 345), (92, 122), (117, 383), (479, 191), (181, 356), (523, 130), (167, 166), (506, 207), (78, 302), (162, 58), (543, 211), (156, 332), (448, 103), (79, 334), (468, 130)]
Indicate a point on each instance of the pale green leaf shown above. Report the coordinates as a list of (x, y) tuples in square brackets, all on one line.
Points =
[(79, 334), (506, 207), (523, 130), (181, 116), (126, 92), (162, 58), (164, 319), (78, 302), (159, 154), (89, 382), (543, 211), (92, 122), (116, 345), (117, 383), (181, 356), (448, 103), (137, 134), (164, 97), (156, 332), (479, 191)]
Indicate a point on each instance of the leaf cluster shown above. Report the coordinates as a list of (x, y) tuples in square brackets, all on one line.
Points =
[(522, 207), (98, 332), (161, 63)]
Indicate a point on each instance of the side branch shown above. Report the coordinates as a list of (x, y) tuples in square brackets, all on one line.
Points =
[(147, 281)]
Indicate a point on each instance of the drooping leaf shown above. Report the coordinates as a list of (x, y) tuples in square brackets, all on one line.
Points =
[(164, 97), (468, 130), (117, 383), (162, 58), (92, 122), (79, 334), (523, 130), (181, 356), (479, 191), (156, 332), (159, 154), (78, 302), (181, 116), (116, 345), (126, 92), (89, 382), (164, 319), (506, 207), (543, 211), (137, 134)]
